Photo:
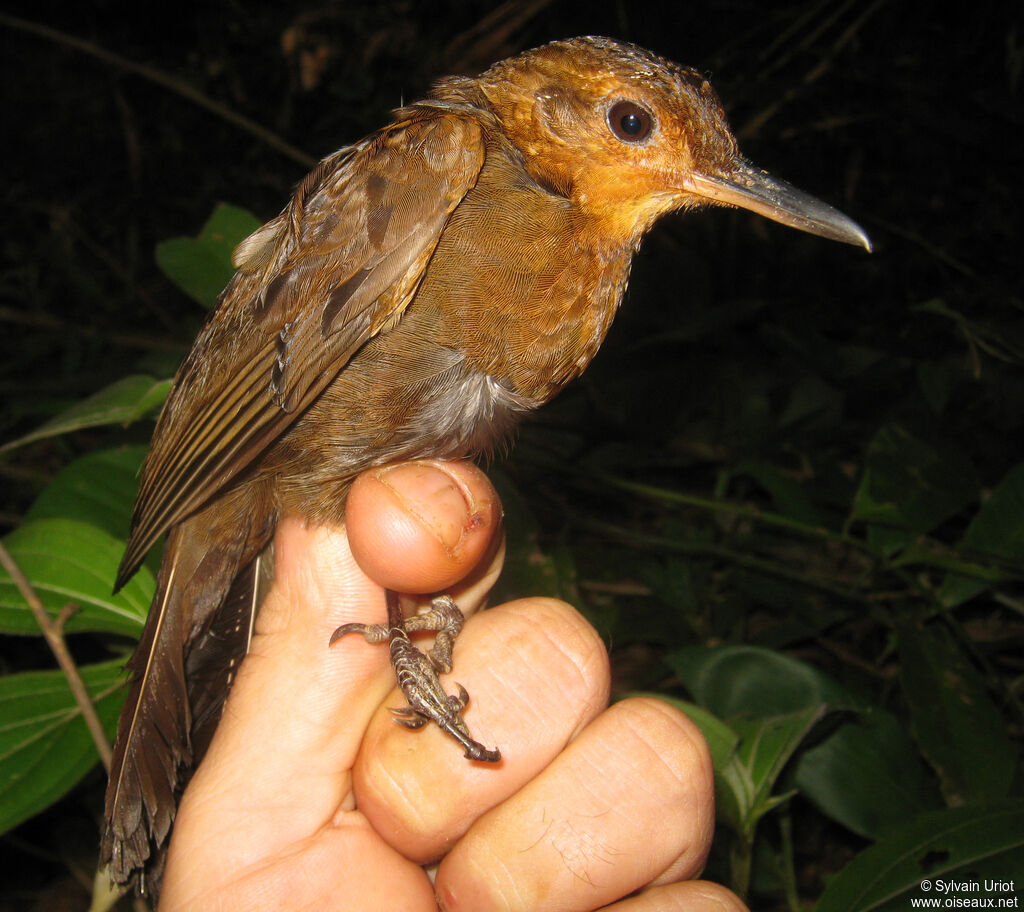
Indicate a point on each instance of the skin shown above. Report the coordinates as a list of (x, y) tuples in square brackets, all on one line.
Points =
[(348, 806)]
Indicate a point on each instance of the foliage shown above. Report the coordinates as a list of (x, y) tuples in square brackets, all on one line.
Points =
[(787, 491)]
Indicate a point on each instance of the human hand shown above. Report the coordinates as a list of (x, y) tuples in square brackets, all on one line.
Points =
[(311, 797)]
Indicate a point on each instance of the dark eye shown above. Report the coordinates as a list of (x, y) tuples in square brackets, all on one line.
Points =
[(629, 122)]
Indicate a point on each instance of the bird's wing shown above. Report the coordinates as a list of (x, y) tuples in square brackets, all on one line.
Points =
[(340, 264)]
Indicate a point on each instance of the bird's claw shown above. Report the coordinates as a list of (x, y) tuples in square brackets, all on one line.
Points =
[(417, 672)]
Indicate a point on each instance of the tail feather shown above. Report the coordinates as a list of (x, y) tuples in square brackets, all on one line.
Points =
[(213, 662), (197, 632), (141, 792)]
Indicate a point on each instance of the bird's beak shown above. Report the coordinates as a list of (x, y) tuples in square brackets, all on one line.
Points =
[(749, 188)]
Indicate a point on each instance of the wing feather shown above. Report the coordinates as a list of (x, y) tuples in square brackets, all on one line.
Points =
[(338, 265)]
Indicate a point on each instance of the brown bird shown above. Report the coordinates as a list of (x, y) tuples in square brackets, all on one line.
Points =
[(422, 291)]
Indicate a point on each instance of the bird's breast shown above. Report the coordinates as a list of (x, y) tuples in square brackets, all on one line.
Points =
[(522, 285), (471, 412), (515, 302)]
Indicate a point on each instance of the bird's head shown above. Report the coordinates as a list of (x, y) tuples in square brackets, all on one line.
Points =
[(628, 136)]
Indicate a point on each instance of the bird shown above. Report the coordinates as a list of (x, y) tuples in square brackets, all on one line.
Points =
[(421, 292)]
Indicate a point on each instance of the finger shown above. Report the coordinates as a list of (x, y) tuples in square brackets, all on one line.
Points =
[(580, 835), (344, 867), (691, 896), (278, 767), (536, 673), (312, 702), (297, 713), (422, 526)]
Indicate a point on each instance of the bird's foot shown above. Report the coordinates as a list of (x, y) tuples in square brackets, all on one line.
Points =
[(417, 672)]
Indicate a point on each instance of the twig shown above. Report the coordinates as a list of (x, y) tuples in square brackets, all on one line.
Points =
[(162, 79), (736, 558), (63, 221), (484, 40), (665, 495), (801, 35), (53, 632), (127, 340), (754, 124)]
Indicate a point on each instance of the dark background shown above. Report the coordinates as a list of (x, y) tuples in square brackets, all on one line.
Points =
[(905, 116)]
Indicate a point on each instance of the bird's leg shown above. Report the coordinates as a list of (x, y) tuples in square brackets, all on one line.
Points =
[(417, 672)]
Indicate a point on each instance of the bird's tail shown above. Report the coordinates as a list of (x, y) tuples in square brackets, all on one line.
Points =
[(197, 632)]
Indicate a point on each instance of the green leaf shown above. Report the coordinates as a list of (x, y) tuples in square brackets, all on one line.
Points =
[(98, 489), (866, 775), (958, 728), (72, 562), (120, 403), (924, 552), (809, 397), (997, 530), (788, 495), (767, 699), (955, 845), (744, 784), (766, 745), (749, 681), (201, 266), (912, 486), (45, 747), (937, 379)]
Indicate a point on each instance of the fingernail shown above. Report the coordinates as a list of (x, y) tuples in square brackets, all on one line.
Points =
[(433, 496)]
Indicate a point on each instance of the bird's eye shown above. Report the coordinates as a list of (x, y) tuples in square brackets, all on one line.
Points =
[(630, 122)]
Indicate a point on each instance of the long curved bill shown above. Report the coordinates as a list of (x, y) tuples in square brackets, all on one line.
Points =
[(749, 188)]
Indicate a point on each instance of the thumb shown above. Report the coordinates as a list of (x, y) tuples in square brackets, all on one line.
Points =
[(298, 711)]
